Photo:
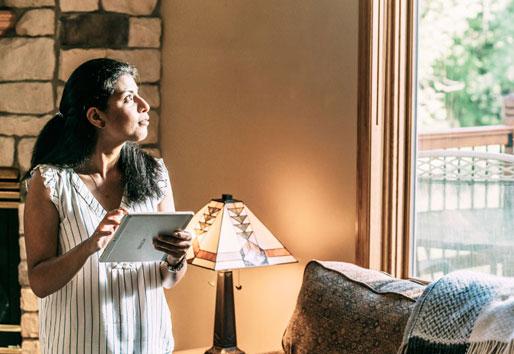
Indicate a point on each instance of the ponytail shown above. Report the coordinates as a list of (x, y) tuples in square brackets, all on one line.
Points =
[(62, 142), (47, 140)]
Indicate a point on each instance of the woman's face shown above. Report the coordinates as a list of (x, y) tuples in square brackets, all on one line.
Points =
[(126, 117)]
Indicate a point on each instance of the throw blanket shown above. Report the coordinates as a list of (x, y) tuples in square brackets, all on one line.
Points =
[(463, 312)]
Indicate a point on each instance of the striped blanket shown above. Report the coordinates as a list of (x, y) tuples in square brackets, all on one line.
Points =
[(463, 312)]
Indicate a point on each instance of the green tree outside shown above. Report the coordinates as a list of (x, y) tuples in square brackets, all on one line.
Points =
[(470, 64)]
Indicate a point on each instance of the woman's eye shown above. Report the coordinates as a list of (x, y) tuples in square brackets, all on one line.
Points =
[(128, 99)]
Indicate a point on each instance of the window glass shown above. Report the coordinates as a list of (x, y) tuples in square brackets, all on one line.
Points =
[(464, 175)]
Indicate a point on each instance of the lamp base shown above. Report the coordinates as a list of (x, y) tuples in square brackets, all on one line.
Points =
[(217, 350), (224, 318)]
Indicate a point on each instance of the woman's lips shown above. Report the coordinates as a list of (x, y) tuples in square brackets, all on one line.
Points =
[(144, 122)]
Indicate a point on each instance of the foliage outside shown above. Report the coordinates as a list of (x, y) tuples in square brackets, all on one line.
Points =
[(465, 62)]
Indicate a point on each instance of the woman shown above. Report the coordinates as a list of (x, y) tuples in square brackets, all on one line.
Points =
[(87, 172)]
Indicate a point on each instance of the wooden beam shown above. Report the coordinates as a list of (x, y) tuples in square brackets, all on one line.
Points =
[(10, 328), (9, 205), (9, 173), (7, 19), (4, 350)]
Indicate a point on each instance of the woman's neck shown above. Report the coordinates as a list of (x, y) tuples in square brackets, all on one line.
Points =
[(103, 160)]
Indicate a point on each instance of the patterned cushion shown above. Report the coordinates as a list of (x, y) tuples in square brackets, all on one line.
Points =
[(343, 308)]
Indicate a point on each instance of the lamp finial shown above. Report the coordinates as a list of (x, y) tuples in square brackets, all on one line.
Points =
[(226, 197)]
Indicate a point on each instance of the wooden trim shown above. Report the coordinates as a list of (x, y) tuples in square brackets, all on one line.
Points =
[(385, 134), (364, 135), (10, 328), (466, 137), (9, 185), (9, 205), (7, 19), (10, 194), (9, 174), (411, 25)]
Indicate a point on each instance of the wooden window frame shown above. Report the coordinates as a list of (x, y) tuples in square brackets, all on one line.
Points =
[(385, 134)]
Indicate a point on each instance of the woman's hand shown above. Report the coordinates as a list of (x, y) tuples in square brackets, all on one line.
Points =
[(105, 230), (174, 245)]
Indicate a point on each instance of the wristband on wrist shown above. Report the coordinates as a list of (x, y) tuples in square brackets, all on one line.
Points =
[(173, 268)]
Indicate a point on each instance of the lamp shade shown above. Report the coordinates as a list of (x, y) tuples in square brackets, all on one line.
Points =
[(229, 236)]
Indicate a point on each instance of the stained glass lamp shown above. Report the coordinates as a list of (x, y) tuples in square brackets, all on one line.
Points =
[(229, 236)]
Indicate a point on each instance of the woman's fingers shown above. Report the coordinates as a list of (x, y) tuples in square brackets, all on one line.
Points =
[(176, 235), (116, 214), (173, 244), (106, 228), (103, 233), (117, 211), (174, 253), (185, 235), (110, 222), (113, 217)]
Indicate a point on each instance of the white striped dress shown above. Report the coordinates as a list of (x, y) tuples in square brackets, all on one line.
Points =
[(106, 307)]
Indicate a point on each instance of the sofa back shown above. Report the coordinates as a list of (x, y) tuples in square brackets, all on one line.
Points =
[(343, 308)]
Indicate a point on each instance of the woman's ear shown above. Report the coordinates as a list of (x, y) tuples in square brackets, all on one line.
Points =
[(94, 116)]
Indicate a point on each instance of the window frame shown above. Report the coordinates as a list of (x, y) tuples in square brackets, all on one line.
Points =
[(386, 134)]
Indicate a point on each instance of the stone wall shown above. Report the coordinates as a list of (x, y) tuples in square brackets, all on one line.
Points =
[(48, 40)]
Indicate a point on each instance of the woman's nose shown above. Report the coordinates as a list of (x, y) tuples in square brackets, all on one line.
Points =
[(142, 105)]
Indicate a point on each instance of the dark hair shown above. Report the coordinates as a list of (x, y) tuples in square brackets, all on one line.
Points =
[(69, 139)]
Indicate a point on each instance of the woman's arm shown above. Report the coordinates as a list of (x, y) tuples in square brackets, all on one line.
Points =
[(47, 271), (169, 279)]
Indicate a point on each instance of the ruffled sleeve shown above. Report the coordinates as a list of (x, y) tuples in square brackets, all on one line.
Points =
[(51, 179)]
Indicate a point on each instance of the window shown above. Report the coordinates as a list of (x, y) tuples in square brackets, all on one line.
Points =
[(464, 182), (435, 165)]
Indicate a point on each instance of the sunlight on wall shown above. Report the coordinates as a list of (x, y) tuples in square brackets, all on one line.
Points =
[(259, 100)]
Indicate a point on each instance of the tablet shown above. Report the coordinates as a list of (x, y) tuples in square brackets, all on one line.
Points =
[(132, 240)]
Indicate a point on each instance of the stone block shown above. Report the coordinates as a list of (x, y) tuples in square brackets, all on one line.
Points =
[(23, 249), (69, 60), (78, 6), (147, 61), (25, 147), (30, 325), (28, 300), (27, 59), (28, 3), (95, 30), (39, 22), (30, 346), (145, 32), (23, 275), (7, 151), (153, 129), (132, 7), (24, 97), (151, 95), (22, 125)]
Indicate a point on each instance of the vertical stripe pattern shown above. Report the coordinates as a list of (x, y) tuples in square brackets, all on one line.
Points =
[(106, 307)]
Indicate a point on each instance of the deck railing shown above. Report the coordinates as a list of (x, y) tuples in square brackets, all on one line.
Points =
[(464, 175), (493, 135)]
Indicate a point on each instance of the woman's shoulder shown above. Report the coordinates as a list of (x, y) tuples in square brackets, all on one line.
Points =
[(48, 169), (47, 177), (52, 175)]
